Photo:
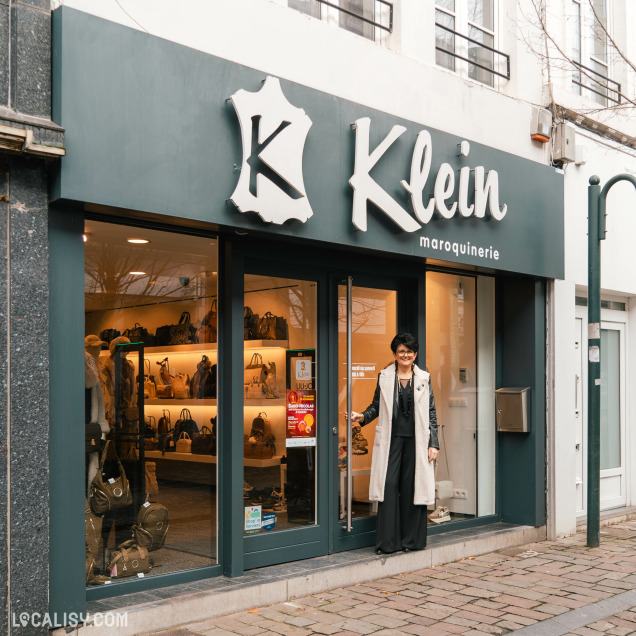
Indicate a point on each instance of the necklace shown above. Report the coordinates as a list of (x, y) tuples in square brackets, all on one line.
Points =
[(405, 398)]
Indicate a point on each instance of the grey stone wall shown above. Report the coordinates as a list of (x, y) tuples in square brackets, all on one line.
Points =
[(25, 103)]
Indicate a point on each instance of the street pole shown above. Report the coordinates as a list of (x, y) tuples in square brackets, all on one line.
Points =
[(596, 202)]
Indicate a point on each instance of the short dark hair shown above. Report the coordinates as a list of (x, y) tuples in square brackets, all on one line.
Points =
[(406, 339)]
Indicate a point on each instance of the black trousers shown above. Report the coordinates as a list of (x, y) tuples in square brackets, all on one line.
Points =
[(401, 524)]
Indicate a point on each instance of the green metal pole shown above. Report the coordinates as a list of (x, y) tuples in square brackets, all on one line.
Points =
[(593, 365)]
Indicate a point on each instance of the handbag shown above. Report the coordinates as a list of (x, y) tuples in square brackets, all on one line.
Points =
[(203, 384), (151, 527), (181, 386), (207, 331), (255, 371), (94, 441), (140, 334), (185, 423), (166, 443), (184, 332), (272, 327), (184, 443), (260, 443), (150, 385), (109, 334), (250, 324), (129, 559), (109, 493), (204, 443)]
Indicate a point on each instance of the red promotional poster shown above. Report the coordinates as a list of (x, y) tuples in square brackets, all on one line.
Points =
[(301, 417)]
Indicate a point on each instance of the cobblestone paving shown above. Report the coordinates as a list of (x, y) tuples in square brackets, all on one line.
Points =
[(547, 588)]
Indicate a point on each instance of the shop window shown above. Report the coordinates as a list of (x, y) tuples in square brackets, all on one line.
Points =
[(281, 420), (465, 40), (151, 368), (460, 359)]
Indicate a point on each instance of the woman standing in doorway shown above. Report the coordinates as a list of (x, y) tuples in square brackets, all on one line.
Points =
[(406, 445)]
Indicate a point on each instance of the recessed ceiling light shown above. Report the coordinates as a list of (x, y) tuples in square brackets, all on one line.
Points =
[(84, 238), (137, 273), (138, 241)]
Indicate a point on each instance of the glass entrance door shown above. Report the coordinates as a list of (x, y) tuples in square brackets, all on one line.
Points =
[(367, 322)]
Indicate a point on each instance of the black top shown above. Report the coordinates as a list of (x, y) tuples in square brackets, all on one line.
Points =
[(404, 419), (371, 412)]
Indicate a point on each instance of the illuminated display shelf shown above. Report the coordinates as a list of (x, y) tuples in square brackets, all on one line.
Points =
[(210, 459), (166, 402), (212, 346)]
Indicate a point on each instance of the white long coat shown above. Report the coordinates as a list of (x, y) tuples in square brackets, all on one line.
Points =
[(424, 470)]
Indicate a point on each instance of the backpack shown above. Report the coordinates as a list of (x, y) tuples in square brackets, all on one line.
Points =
[(203, 382), (152, 526)]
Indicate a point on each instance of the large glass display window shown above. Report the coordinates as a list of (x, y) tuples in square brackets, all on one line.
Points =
[(151, 402)]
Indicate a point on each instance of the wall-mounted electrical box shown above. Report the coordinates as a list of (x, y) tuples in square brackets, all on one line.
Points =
[(541, 125), (564, 143), (511, 405)]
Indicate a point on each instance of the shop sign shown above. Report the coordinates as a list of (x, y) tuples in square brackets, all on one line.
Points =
[(301, 418), (252, 518), (268, 521)]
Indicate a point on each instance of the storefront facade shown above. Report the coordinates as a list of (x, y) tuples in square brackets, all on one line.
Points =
[(197, 194)]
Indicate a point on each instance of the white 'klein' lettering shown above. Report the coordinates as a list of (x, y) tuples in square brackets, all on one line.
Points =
[(366, 189)]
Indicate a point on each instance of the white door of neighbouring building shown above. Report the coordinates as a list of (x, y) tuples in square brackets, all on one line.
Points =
[(613, 411)]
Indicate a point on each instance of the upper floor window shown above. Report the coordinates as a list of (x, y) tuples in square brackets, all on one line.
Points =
[(465, 38), (362, 17), (590, 52)]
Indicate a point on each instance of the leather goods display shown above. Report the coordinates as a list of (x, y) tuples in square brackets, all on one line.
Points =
[(140, 334), (167, 443), (184, 332), (204, 442), (129, 559), (272, 327), (93, 532), (181, 386), (186, 424), (94, 441), (250, 324), (108, 493), (164, 389), (260, 443), (184, 443), (203, 384), (207, 331), (152, 526)]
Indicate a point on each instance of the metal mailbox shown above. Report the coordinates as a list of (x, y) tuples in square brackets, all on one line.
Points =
[(512, 409)]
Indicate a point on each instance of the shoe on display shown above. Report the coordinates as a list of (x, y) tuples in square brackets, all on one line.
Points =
[(359, 441), (276, 502), (441, 514)]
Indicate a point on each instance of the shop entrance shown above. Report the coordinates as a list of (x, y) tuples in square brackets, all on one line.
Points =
[(367, 322)]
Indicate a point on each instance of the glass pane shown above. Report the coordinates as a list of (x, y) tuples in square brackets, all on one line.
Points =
[(596, 80), (449, 5), (150, 340), (576, 44), (374, 326), (280, 418), (364, 8), (610, 400), (310, 7), (480, 12), (599, 35), (481, 56), (452, 362), (444, 40)]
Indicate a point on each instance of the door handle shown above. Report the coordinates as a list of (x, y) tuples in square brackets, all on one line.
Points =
[(349, 407)]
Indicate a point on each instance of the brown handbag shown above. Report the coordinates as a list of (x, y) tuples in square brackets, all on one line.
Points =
[(109, 493), (129, 559)]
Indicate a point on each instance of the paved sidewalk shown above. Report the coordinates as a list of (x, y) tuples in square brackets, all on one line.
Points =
[(547, 588)]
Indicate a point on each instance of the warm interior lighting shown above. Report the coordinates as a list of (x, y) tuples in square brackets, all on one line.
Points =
[(137, 273), (138, 241), (84, 238)]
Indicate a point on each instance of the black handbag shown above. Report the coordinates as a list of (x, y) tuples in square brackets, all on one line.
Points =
[(185, 424), (109, 334), (182, 333), (94, 441), (140, 334), (204, 443), (250, 324)]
